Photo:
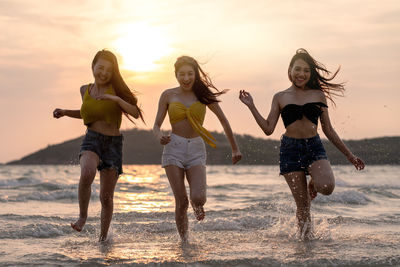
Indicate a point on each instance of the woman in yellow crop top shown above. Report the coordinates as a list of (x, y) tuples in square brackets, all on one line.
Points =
[(301, 150), (103, 103), (184, 150)]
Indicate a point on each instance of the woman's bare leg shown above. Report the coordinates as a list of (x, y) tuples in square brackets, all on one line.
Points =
[(176, 178), (196, 177), (89, 162), (298, 185), (108, 180), (322, 178)]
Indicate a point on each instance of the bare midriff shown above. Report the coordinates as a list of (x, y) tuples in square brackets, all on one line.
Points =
[(104, 128), (184, 129), (303, 128)]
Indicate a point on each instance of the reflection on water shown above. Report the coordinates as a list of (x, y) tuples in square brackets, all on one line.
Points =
[(144, 202), (134, 179), (143, 189), (143, 250)]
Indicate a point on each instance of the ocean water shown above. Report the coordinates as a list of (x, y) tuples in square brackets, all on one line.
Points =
[(250, 220)]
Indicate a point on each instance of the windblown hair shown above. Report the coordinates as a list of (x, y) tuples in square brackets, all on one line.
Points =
[(319, 79), (121, 89), (202, 84)]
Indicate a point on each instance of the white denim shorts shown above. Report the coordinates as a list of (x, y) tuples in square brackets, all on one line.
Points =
[(184, 152)]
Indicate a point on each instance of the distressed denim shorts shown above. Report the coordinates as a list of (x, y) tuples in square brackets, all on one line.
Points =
[(108, 148), (298, 154), (184, 152)]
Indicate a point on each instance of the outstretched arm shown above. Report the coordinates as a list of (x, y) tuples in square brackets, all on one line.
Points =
[(236, 155), (161, 113), (58, 112), (331, 134), (267, 125)]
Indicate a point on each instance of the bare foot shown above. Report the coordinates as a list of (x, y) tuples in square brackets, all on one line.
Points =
[(78, 225), (306, 233), (311, 189), (185, 239), (199, 213)]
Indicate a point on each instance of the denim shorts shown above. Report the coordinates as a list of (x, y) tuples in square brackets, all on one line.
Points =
[(184, 152), (108, 148), (298, 154)]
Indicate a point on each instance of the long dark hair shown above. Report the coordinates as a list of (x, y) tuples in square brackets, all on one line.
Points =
[(121, 89), (202, 83), (319, 79)]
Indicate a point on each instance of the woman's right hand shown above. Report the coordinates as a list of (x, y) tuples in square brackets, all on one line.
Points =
[(246, 98), (165, 139), (236, 156), (58, 113)]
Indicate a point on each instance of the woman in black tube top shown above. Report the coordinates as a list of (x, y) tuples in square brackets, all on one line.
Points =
[(301, 151)]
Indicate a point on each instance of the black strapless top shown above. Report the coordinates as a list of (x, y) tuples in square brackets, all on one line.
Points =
[(292, 112)]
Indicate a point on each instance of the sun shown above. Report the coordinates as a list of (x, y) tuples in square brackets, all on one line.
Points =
[(141, 46)]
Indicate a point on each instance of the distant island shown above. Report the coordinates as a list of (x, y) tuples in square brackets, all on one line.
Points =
[(140, 147)]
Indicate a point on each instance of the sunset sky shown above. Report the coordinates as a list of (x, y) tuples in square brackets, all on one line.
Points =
[(46, 49)]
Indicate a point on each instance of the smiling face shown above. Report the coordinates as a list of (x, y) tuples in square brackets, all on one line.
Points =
[(102, 71), (300, 73), (186, 77)]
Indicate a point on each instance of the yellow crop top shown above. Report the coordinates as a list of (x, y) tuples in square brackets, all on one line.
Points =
[(100, 110), (195, 115)]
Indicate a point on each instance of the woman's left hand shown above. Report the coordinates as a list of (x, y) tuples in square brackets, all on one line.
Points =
[(107, 97), (357, 162), (236, 157)]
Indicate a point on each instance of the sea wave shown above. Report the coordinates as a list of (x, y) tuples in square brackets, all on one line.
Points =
[(17, 182), (58, 195), (37, 230), (351, 197), (387, 192)]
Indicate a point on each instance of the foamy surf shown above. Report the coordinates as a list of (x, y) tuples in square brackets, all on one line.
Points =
[(250, 220)]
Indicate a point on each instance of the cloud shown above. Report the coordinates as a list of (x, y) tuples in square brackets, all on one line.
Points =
[(46, 48)]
